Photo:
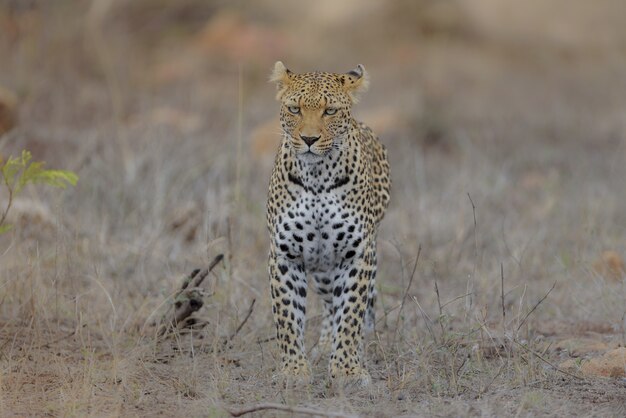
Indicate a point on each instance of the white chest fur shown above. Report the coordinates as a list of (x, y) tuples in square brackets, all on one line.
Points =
[(319, 230)]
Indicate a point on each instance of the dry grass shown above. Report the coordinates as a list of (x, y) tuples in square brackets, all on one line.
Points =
[(507, 146)]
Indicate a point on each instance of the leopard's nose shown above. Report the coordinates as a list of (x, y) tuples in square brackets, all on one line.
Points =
[(310, 140)]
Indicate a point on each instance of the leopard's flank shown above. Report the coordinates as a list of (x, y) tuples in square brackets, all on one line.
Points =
[(328, 192)]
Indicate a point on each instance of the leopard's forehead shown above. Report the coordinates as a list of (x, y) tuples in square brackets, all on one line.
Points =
[(318, 80), (317, 89)]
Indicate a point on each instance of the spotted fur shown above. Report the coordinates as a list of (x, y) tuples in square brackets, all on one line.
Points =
[(328, 192)]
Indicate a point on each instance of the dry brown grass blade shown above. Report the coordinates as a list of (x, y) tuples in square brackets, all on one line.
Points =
[(549, 363), (406, 292), (502, 296), (250, 309), (470, 283), (285, 408), (64, 337), (440, 319), (536, 306)]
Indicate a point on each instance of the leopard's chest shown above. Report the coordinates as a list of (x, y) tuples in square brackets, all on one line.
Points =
[(320, 229)]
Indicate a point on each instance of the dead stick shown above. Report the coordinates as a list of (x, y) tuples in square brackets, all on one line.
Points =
[(473, 210), (502, 300), (506, 346), (427, 319), (250, 309), (536, 306), (440, 320), (198, 276), (534, 353), (502, 293), (493, 379), (419, 251), (292, 409), (455, 299), (266, 340), (188, 299), (58, 340), (470, 282)]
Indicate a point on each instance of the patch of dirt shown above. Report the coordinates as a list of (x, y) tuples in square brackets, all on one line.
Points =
[(563, 329), (590, 390), (610, 364), (578, 347), (610, 265)]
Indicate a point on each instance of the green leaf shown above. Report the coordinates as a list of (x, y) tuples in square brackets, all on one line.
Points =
[(10, 169), (5, 228), (55, 178), (29, 175), (20, 171), (35, 173)]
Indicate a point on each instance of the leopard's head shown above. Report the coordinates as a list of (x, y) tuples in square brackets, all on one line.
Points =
[(315, 107)]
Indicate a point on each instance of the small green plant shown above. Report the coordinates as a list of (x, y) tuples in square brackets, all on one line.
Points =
[(17, 172)]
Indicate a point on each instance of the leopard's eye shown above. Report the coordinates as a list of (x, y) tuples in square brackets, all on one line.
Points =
[(294, 109), (330, 111)]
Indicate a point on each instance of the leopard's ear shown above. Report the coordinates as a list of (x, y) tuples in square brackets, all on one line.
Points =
[(356, 82), (281, 76)]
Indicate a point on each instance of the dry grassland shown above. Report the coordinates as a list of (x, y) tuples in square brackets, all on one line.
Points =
[(506, 129)]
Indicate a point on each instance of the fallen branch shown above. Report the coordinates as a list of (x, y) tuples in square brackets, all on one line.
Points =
[(470, 281), (58, 340), (408, 287), (427, 319), (250, 309), (540, 357), (187, 300), (535, 307), (285, 408), (440, 319)]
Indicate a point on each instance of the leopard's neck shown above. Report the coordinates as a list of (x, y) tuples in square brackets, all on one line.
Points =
[(323, 173)]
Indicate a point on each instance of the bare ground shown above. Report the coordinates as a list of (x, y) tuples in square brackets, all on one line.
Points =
[(507, 137)]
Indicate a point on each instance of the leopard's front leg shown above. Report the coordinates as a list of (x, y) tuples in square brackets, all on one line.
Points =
[(350, 302), (288, 291)]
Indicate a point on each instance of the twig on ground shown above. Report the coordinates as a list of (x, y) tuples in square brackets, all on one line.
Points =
[(493, 379), (187, 300), (250, 309), (470, 283), (473, 209), (419, 251), (624, 328), (549, 363), (455, 299), (265, 340), (506, 346), (387, 312), (427, 319), (535, 307), (58, 340), (502, 296), (440, 310), (292, 409)]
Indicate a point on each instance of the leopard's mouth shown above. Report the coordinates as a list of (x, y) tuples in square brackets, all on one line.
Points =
[(310, 152), (310, 156)]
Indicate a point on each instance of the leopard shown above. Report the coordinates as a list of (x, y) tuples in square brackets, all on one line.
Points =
[(329, 190)]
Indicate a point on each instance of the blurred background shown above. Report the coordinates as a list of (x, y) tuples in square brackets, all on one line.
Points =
[(164, 111)]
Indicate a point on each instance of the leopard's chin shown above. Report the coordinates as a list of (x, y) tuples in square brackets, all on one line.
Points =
[(310, 156)]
